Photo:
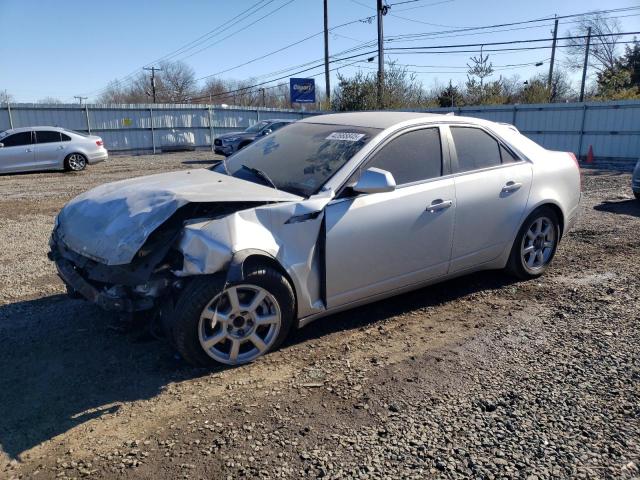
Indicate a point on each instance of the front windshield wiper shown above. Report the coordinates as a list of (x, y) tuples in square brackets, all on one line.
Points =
[(260, 174)]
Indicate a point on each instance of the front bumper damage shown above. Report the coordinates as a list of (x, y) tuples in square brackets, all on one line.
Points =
[(112, 288)]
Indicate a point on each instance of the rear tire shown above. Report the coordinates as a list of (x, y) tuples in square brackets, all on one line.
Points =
[(208, 330), (75, 162), (535, 244)]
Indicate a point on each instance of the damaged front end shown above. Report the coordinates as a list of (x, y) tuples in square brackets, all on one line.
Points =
[(117, 245), (148, 277)]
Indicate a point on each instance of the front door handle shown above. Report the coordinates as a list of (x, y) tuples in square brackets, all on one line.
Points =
[(29, 150), (511, 186), (438, 205)]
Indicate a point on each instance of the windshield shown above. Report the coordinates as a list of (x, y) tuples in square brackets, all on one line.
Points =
[(257, 127), (300, 158)]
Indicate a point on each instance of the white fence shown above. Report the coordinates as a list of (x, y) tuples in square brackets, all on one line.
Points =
[(611, 128), (143, 127)]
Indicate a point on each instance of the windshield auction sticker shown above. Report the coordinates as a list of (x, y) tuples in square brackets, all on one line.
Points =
[(346, 136)]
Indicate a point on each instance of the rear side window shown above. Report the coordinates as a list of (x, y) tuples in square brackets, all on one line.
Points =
[(17, 139), (44, 136), (507, 156), (65, 137), (475, 149), (411, 157)]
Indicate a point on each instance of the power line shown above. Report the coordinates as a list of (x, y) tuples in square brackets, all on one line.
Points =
[(408, 49), (512, 42), (523, 22), (240, 30), (293, 44), (286, 76), (219, 29), (203, 38)]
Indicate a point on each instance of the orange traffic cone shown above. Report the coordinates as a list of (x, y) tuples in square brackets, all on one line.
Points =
[(590, 154)]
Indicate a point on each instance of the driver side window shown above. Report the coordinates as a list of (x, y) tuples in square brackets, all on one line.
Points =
[(411, 157)]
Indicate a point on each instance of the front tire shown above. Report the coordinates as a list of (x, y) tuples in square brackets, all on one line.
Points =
[(75, 162), (637, 195), (233, 324), (535, 244)]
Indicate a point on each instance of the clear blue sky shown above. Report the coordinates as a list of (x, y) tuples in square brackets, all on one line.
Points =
[(72, 47)]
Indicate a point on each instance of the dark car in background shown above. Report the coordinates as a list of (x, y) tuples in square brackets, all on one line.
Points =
[(229, 143)]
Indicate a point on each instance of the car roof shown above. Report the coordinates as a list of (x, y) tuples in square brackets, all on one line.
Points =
[(38, 128), (373, 119)]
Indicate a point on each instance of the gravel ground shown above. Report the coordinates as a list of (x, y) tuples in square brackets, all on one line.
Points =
[(477, 377)]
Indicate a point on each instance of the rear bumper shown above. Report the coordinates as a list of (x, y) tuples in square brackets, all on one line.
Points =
[(98, 157)]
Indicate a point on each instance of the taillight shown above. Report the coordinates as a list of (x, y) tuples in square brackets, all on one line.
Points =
[(575, 160), (99, 143)]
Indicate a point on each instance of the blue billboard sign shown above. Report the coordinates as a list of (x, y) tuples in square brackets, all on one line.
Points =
[(302, 90)]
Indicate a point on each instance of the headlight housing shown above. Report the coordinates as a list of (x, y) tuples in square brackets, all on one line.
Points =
[(230, 139)]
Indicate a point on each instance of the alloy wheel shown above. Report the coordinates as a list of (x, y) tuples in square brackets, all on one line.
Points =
[(239, 324), (538, 244), (76, 162)]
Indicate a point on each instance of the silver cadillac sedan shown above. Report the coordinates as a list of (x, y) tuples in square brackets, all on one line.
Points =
[(325, 214)]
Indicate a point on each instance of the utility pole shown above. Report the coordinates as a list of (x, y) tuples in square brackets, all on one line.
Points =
[(80, 98), (586, 63), (327, 84), (153, 80), (264, 102), (382, 11), (553, 56)]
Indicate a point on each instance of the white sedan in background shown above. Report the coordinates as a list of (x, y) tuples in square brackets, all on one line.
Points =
[(48, 148)]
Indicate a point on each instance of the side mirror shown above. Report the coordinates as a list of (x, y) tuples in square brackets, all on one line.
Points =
[(375, 180), (267, 131)]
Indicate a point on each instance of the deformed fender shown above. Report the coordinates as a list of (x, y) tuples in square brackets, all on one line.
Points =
[(287, 232), (235, 271)]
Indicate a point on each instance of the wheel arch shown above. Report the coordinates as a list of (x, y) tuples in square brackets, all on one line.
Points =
[(242, 260), (547, 204)]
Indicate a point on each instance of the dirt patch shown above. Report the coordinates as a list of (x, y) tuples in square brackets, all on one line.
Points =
[(477, 377)]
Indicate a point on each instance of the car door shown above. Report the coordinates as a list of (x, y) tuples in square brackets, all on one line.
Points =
[(49, 149), (17, 155), (492, 187), (379, 242)]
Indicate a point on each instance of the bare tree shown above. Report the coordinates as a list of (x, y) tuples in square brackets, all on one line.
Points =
[(50, 100), (604, 42), (176, 83)]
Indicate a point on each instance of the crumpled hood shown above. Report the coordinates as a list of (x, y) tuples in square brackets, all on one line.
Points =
[(111, 222)]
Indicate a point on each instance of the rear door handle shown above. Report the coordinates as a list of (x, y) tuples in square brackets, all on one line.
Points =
[(511, 186), (29, 150), (438, 205), (61, 147)]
